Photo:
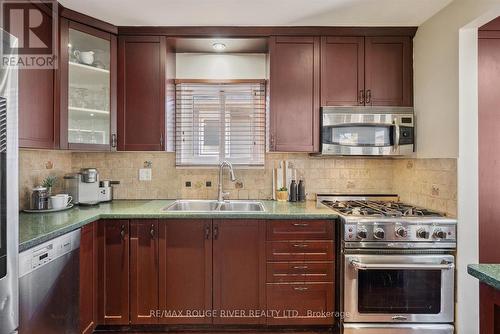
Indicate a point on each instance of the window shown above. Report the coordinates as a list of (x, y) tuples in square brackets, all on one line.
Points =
[(216, 122)]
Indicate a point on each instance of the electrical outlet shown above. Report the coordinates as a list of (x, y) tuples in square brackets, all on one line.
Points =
[(145, 174)]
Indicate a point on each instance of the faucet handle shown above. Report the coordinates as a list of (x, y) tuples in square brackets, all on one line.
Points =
[(225, 194)]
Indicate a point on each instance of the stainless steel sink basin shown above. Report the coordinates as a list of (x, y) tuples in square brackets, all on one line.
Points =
[(250, 206), (214, 206), (192, 205)]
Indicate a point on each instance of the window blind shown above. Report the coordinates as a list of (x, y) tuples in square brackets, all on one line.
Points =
[(216, 122)]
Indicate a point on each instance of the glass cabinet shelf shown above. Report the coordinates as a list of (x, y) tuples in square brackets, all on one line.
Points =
[(89, 80)]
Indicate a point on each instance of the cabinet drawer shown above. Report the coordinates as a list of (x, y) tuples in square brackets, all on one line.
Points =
[(299, 250), (299, 230), (310, 304), (281, 272)]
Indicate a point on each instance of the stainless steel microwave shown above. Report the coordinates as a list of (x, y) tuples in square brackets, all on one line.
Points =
[(367, 131)]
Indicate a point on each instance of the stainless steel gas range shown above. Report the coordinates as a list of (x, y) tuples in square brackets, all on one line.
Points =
[(398, 266)]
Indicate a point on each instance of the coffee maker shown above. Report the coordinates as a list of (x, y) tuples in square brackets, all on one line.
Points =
[(83, 186)]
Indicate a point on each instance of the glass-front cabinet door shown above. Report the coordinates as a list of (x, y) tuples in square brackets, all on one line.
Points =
[(90, 121)]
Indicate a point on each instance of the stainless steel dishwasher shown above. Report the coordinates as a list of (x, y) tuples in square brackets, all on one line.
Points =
[(49, 286)]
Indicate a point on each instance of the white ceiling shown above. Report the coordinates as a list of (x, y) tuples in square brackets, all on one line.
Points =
[(259, 12)]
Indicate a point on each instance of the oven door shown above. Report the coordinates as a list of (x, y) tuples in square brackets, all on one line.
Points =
[(399, 288)]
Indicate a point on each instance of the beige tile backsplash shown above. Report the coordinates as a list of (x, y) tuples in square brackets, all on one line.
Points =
[(429, 182), (35, 165)]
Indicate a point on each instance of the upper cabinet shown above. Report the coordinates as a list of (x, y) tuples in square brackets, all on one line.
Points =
[(87, 87), (141, 93), (294, 93), (36, 100), (342, 71), (388, 71), (374, 71)]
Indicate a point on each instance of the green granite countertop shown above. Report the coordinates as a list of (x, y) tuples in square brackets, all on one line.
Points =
[(36, 228), (486, 273)]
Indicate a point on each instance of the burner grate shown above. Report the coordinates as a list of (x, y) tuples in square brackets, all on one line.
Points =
[(379, 209)]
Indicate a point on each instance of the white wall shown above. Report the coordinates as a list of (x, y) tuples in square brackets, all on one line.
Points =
[(445, 61), (220, 66), (436, 76)]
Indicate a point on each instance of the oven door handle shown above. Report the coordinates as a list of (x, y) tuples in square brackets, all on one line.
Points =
[(422, 266)]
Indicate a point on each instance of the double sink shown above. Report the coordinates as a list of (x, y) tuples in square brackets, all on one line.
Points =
[(215, 206)]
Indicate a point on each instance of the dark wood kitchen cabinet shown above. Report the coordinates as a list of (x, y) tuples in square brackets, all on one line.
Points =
[(141, 93), (342, 71), (294, 93), (300, 271), (86, 87), (113, 272), (375, 71), (489, 309), (37, 127), (388, 71), (185, 253), (88, 278), (36, 109), (239, 269), (144, 271)]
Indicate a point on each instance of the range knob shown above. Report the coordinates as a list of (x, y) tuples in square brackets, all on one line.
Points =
[(439, 234), (401, 232), (379, 233), (422, 233), (362, 233)]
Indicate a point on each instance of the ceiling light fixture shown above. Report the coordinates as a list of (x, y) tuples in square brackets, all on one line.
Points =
[(219, 46)]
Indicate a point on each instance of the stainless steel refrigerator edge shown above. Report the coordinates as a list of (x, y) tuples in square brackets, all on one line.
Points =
[(9, 210)]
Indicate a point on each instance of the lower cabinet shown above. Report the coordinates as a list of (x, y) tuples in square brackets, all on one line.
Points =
[(185, 290), (201, 271), (239, 271), (300, 303), (489, 308), (113, 272), (144, 269), (88, 278)]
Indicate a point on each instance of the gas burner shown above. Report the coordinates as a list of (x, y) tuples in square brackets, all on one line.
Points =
[(378, 209)]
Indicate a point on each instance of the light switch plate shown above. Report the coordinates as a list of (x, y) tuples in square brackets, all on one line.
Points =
[(145, 174)]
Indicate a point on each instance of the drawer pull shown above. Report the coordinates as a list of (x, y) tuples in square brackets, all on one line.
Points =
[(300, 288), (300, 267), (301, 224), (300, 245)]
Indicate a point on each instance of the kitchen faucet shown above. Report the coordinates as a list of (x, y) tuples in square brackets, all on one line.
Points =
[(222, 194)]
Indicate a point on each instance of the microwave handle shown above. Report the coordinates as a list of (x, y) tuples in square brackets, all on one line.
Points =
[(422, 266), (396, 136)]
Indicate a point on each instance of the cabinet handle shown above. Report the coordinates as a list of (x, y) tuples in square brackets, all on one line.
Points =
[(361, 97), (113, 140), (207, 231), (216, 232), (301, 224), (161, 140), (300, 288), (300, 267), (152, 232), (300, 245), (368, 96), (272, 141), (122, 232)]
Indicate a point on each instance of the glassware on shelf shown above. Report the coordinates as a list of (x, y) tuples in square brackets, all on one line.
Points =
[(89, 121)]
